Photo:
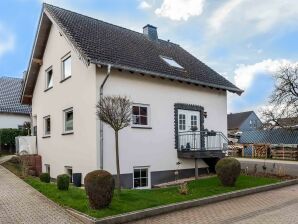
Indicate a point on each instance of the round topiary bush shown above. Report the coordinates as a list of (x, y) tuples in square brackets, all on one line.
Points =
[(45, 177), (228, 170), (63, 182), (99, 185)]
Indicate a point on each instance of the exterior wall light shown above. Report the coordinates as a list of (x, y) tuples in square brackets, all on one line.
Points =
[(205, 114)]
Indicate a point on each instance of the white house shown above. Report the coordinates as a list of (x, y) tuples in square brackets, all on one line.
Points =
[(12, 113), (77, 59)]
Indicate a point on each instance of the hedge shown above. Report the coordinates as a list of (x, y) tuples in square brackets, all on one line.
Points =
[(7, 135)]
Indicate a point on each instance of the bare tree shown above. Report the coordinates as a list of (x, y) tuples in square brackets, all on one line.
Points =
[(282, 110), (116, 112)]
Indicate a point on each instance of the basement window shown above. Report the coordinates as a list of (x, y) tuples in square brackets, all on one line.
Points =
[(68, 170), (48, 169), (171, 62), (141, 177)]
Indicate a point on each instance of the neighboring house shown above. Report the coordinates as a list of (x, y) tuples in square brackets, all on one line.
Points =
[(244, 121), (12, 113), (75, 59)]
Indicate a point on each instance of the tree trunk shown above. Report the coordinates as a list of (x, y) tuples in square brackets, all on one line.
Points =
[(118, 185)]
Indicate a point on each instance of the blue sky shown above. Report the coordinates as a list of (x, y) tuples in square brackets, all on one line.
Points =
[(244, 40)]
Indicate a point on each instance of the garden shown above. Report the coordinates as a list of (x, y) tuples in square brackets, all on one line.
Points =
[(99, 199)]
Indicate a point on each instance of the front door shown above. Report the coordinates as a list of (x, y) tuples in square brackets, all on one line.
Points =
[(188, 129)]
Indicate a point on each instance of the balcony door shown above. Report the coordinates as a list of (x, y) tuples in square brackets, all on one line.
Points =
[(188, 120), (188, 130)]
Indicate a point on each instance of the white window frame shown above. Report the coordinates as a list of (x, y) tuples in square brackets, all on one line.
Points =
[(44, 126), (47, 168), (63, 59), (47, 78), (148, 177), (148, 115), (67, 171), (64, 120)]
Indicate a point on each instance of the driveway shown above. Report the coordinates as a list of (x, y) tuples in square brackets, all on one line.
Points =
[(20, 203), (271, 207)]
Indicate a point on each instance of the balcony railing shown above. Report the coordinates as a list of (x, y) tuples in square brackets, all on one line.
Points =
[(202, 140)]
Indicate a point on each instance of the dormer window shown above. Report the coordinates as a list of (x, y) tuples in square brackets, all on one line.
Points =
[(171, 62)]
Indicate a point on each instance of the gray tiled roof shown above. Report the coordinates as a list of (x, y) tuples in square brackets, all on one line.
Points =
[(235, 120), (10, 93), (104, 43), (274, 136)]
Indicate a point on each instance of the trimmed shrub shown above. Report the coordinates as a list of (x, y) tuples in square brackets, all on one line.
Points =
[(63, 182), (45, 177), (228, 170), (99, 186)]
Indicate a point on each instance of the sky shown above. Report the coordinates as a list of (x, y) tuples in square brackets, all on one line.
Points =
[(246, 41)]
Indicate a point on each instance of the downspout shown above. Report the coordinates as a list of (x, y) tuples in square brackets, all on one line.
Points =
[(101, 123)]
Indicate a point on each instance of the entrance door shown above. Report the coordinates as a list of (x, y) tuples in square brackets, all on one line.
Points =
[(188, 127)]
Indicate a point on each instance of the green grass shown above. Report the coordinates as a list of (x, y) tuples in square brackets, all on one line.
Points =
[(132, 200)]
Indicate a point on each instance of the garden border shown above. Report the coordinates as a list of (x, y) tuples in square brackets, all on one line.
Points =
[(149, 212)]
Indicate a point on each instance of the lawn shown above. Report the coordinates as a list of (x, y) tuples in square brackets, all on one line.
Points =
[(132, 200)]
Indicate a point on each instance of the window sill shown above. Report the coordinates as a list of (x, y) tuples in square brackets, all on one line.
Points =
[(63, 80), (140, 127), (46, 136), (68, 133), (47, 89)]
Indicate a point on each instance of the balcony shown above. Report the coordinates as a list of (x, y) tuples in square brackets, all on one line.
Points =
[(201, 144)]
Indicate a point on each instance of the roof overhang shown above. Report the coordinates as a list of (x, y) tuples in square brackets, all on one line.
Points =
[(191, 81), (35, 62)]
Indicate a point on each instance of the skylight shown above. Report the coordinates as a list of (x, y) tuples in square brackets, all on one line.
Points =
[(171, 62)]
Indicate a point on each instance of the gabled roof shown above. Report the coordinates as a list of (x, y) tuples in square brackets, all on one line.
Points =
[(236, 120), (274, 136), (10, 94), (102, 43)]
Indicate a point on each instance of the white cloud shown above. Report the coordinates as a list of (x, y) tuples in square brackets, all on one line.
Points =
[(221, 13), (180, 9), (254, 16), (144, 5), (245, 74), (7, 41)]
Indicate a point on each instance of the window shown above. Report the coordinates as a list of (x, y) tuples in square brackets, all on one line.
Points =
[(141, 177), (69, 172), (194, 121), (48, 169), (66, 67), (49, 78), (250, 123), (182, 122), (140, 115), (68, 120), (171, 62), (47, 126)]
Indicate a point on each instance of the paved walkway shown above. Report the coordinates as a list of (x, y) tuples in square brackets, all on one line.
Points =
[(19, 203), (271, 207)]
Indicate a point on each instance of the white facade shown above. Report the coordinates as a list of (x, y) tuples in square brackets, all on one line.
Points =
[(153, 147), (10, 120)]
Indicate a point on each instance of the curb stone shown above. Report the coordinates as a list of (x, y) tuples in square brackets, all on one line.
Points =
[(149, 212)]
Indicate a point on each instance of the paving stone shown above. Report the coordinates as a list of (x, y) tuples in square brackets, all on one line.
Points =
[(20, 203), (276, 206)]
